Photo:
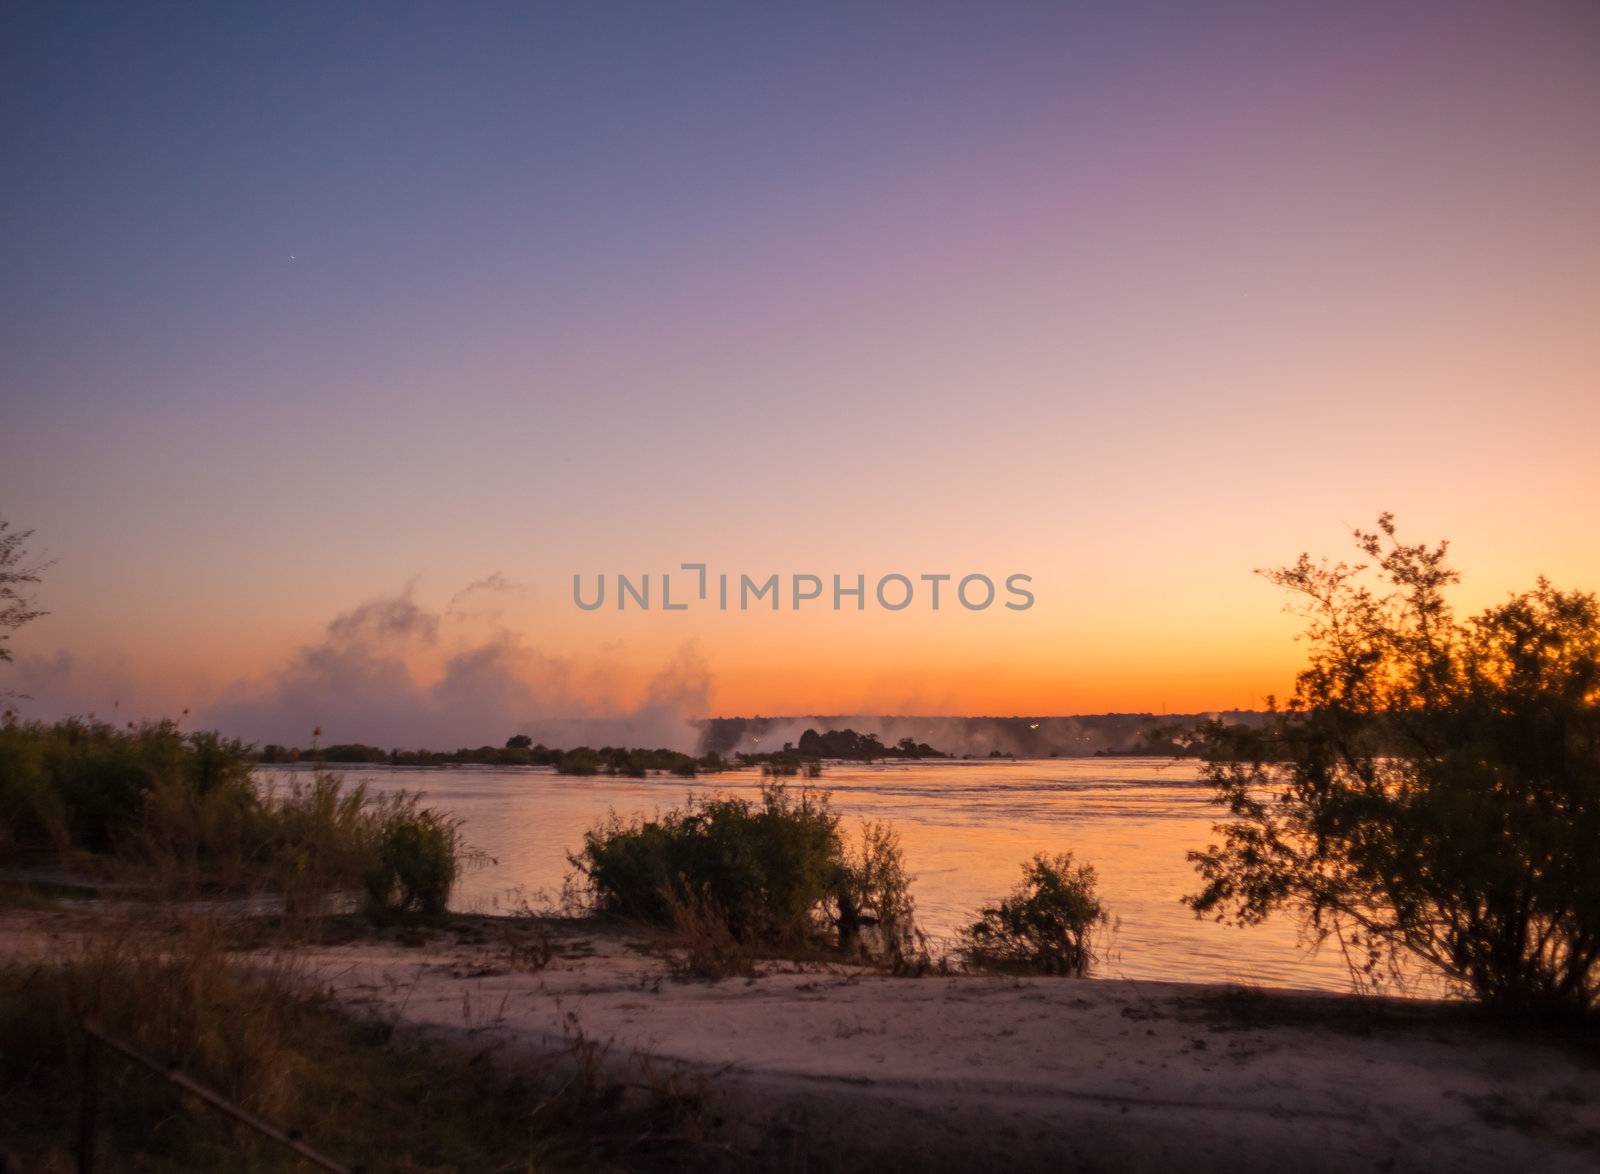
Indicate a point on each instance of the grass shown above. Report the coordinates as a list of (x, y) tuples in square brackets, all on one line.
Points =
[(256, 1032), (184, 813)]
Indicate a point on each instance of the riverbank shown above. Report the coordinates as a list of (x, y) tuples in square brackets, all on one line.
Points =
[(823, 1066)]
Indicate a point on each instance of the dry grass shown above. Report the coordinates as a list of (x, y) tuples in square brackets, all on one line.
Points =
[(251, 1028), (704, 946)]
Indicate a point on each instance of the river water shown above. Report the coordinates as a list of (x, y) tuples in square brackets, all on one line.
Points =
[(966, 827)]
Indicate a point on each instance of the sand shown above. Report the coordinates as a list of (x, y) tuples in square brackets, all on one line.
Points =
[(858, 1069), (818, 1067)]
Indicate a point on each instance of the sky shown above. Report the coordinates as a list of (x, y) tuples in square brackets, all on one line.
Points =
[(337, 339)]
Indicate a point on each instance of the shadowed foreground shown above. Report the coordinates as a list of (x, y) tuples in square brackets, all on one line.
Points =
[(827, 1068)]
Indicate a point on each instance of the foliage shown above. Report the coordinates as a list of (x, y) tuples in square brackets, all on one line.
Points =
[(1046, 926), (257, 1032), (17, 574), (188, 808), (519, 750), (848, 744), (875, 894), (417, 858), (776, 871), (581, 761), (1432, 792), (315, 837), (85, 784)]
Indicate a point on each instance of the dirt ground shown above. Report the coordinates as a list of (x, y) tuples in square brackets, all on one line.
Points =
[(853, 1069)]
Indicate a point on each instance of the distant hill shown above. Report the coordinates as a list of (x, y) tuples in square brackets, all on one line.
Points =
[(1077, 735)]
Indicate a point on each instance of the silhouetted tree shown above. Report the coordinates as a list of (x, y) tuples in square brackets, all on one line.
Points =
[(1432, 791), (16, 575)]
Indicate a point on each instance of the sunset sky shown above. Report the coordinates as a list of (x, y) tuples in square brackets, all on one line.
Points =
[(312, 319)]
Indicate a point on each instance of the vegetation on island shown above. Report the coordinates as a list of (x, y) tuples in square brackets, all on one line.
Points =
[(519, 750), (629, 761), (1044, 736), (851, 746)]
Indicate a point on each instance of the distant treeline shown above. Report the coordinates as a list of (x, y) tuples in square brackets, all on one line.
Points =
[(634, 762), (1131, 734)]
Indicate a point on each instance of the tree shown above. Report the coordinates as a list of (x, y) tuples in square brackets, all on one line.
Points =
[(16, 574), (519, 742), (1431, 794)]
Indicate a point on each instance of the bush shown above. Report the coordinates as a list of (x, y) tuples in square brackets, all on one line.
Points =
[(1046, 926), (186, 808), (777, 871), (416, 858), (1432, 792), (874, 895), (766, 867), (85, 784)]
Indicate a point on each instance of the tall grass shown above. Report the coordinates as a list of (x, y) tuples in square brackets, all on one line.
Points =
[(186, 811), (255, 1030)]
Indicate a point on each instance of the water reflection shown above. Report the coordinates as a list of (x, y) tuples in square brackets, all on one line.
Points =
[(966, 827)]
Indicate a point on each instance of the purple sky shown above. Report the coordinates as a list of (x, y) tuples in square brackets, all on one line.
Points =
[(302, 305)]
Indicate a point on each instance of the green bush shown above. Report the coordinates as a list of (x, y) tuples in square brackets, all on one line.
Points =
[(1046, 926), (187, 809), (416, 859), (87, 785), (776, 871)]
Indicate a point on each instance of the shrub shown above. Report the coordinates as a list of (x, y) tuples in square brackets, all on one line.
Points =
[(1432, 792), (767, 866), (87, 785), (874, 894), (187, 809), (416, 857), (1046, 926), (776, 871)]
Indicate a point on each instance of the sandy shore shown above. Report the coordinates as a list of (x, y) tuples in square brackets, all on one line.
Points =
[(948, 1073), (820, 1067)]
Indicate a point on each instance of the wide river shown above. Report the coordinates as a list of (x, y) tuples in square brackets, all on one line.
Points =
[(966, 827)]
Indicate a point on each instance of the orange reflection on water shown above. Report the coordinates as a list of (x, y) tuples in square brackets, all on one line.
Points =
[(966, 828)]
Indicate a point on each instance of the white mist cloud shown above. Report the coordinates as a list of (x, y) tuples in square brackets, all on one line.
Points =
[(359, 683)]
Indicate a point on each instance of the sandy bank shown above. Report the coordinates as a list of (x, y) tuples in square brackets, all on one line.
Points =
[(952, 1072)]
